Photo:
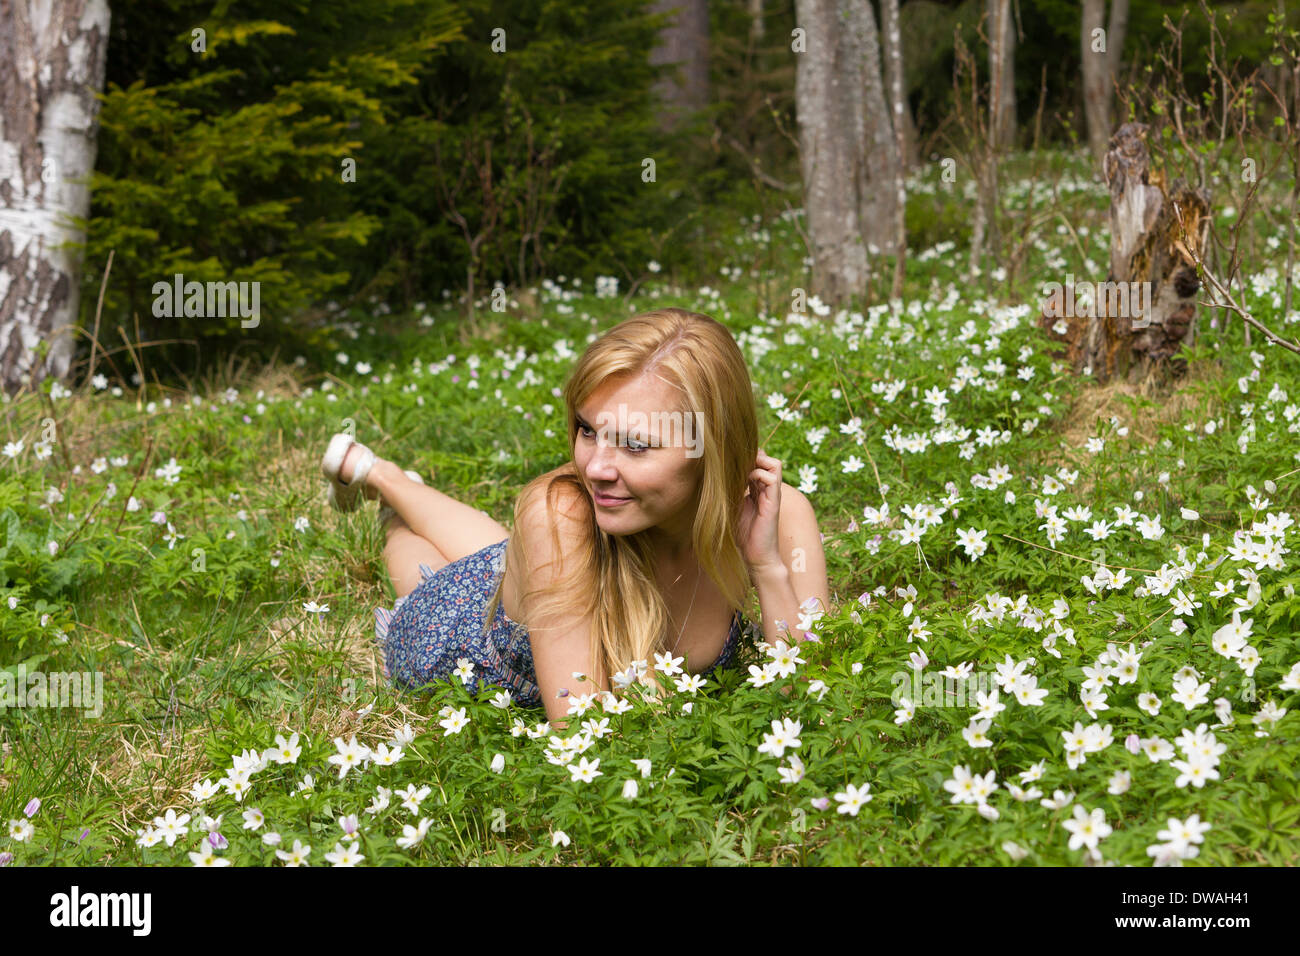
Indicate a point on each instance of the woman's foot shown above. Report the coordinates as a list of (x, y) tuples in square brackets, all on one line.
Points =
[(356, 453), (346, 465)]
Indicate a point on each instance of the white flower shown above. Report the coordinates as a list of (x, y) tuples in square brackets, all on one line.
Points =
[(1189, 693), (585, 771), (345, 857), (413, 835), (629, 789), (794, 773), (975, 733), (349, 755), (853, 799), (169, 473), (498, 763), (455, 722), (1087, 829), (558, 837), (1014, 850), (785, 733)]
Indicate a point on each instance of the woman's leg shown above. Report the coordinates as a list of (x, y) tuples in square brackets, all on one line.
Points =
[(453, 528), (404, 552)]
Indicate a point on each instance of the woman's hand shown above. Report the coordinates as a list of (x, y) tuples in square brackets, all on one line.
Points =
[(759, 514)]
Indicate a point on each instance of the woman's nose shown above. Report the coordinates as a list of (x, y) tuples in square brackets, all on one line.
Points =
[(601, 463)]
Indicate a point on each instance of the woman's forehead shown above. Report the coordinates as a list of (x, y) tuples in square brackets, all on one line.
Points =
[(644, 393)]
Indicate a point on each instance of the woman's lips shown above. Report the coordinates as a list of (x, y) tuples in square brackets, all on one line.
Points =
[(609, 501)]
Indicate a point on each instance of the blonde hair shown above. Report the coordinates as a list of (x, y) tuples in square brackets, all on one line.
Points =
[(629, 619)]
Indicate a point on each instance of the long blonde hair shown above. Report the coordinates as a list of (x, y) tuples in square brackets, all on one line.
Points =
[(629, 619)]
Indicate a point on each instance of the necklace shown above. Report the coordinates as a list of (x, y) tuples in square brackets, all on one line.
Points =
[(689, 609)]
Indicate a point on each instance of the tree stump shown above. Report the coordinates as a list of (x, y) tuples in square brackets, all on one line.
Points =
[(1132, 325)]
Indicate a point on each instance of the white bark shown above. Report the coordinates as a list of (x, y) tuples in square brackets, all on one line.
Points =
[(894, 59), (52, 57)]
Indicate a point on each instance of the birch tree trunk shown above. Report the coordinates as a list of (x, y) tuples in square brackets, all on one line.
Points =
[(846, 148), (683, 42), (52, 56), (1002, 73), (894, 59)]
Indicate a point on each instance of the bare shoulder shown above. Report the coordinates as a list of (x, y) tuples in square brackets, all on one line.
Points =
[(796, 506), (550, 523), (547, 505), (801, 547), (550, 533)]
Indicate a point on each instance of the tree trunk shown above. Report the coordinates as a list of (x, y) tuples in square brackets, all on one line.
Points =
[(52, 56), (1146, 310), (1002, 73), (1115, 33), (756, 20), (894, 59), (683, 42), (876, 196), (1094, 47), (911, 140), (845, 142)]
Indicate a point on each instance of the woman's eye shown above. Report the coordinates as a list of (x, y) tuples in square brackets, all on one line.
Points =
[(631, 444)]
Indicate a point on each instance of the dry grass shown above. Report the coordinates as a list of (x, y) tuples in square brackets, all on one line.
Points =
[(1093, 406), (1182, 402)]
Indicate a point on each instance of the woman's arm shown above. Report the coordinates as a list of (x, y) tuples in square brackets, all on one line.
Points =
[(560, 642), (800, 576)]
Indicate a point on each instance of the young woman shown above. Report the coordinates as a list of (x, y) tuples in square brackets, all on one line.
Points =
[(645, 543)]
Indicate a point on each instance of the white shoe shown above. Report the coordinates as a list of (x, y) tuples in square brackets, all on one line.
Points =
[(344, 496)]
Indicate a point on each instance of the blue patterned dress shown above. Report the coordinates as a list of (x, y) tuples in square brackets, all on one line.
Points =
[(426, 631)]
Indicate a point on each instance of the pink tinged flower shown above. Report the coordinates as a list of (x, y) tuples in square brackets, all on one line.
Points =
[(33, 805), (821, 803)]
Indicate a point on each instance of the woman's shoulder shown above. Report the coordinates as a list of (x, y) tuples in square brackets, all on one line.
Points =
[(558, 490)]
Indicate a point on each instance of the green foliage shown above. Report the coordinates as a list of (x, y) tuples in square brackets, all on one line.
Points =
[(225, 164)]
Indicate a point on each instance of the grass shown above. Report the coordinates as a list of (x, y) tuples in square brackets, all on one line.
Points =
[(206, 651)]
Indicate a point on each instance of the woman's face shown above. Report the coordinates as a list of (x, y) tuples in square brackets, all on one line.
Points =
[(640, 459)]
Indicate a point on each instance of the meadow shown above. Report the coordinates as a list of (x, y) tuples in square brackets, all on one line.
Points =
[(1106, 569)]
